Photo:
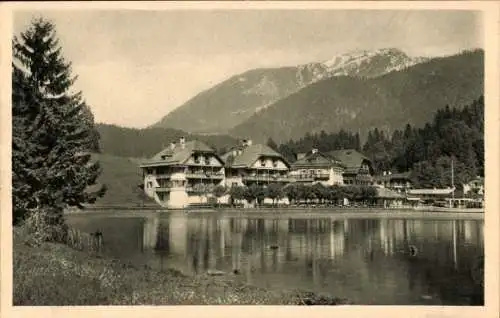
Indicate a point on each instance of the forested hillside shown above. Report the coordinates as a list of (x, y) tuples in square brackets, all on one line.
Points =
[(453, 134), (141, 143), (387, 102)]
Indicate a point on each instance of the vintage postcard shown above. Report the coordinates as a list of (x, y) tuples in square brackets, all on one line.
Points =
[(301, 158)]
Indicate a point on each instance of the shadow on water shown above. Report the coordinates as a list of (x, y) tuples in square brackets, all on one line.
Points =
[(369, 261)]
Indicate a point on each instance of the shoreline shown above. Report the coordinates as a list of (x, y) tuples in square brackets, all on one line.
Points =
[(55, 274), (293, 212)]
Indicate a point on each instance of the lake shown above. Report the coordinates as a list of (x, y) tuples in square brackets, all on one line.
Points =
[(369, 260)]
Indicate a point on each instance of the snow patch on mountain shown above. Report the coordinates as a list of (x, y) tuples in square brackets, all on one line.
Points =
[(369, 63)]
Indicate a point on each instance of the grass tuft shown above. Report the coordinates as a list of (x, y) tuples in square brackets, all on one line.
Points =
[(54, 274)]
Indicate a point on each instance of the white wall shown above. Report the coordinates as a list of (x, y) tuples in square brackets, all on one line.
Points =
[(230, 180), (213, 161), (280, 201), (269, 164), (150, 191), (336, 177)]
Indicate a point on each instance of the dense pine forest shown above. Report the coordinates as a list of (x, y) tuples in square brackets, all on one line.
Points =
[(143, 143), (454, 134)]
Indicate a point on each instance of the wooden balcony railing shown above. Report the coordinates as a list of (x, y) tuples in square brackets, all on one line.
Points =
[(205, 175), (267, 178)]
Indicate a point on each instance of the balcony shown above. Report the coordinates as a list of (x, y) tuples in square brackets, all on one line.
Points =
[(162, 176), (267, 178), (163, 189), (204, 175), (321, 176), (312, 177)]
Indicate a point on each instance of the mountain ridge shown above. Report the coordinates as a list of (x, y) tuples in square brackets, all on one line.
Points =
[(410, 95), (231, 102)]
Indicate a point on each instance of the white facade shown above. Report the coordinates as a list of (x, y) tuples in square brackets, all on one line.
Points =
[(180, 184), (271, 164)]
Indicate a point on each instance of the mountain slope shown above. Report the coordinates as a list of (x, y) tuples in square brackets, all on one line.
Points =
[(235, 100), (359, 104), (122, 177), (141, 143), (232, 101)]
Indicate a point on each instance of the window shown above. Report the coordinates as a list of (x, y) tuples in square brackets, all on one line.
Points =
[(262, 163), (150, 184), (197, 159), (207, 161), (275, 163)]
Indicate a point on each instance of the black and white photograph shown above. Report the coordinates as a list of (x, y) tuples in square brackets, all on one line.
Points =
[(240, 155)]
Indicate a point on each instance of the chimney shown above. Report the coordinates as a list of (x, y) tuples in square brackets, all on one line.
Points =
[(314, 150), (172, 145), (182, 142)]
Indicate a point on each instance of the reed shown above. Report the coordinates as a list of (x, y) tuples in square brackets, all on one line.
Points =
[(79, 240)]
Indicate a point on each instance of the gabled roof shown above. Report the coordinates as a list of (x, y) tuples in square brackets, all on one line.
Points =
[(350, 158), (316, 160), (249, 155), (180, 155)]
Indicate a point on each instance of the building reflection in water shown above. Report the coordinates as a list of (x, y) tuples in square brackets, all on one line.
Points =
[(391, 256)]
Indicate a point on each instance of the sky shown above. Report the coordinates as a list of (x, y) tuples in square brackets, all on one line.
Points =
[(134, 67)]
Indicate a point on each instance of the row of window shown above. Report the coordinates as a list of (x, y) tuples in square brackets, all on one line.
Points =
[(356, 182), (198, 159), (167, 183), (263, 163)]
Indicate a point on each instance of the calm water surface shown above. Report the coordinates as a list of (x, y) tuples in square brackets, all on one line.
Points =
[(369, 261)]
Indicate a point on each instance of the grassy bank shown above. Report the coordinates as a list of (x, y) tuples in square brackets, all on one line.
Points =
[(55, 274)]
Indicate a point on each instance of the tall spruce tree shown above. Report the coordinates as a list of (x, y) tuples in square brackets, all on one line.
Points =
[(53, 131)]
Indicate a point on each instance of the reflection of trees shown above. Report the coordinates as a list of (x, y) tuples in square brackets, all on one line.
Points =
[(375, 249), (442, 261)]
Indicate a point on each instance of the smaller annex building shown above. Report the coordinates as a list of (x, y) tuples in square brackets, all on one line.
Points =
[(358, 168)]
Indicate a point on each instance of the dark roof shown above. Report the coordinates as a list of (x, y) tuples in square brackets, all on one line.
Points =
[(350, 158), (249, 155), (388, 177), (180, 155), (316, 160)]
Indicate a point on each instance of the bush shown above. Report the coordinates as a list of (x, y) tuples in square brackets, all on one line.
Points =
[(39, 227)]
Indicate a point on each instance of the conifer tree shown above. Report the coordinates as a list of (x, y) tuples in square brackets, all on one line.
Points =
[(272, 144), (53, 131)]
